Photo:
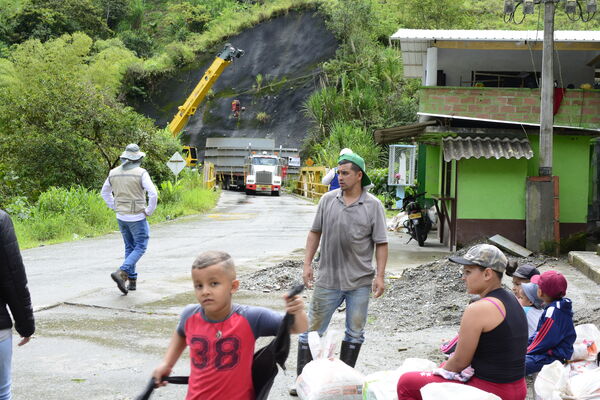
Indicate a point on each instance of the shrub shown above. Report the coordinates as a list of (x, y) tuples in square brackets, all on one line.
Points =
[(262, 117), (179, 53), (170, 192), (139, 42), (348, 135)]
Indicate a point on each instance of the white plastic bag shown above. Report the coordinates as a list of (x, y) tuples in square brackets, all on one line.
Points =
[(579, 367), (382, 385), (587, 342), (325, 379), (552, 381), (328, 378), (586, 385), (589, 332), (454, 391)]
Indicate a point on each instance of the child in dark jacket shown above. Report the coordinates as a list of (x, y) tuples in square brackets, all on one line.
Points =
[(555, 333)]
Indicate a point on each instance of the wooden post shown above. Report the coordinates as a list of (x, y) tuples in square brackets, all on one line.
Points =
[(547, 98)]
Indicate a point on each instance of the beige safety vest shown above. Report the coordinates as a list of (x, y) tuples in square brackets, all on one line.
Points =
[(130, 195)]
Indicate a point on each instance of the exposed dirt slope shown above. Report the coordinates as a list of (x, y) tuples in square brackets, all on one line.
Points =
[(282, 50)]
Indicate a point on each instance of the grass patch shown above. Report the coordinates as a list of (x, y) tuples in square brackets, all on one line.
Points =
[(62, 215)]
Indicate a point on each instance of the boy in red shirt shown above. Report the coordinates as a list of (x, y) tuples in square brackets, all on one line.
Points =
[(220, 334)]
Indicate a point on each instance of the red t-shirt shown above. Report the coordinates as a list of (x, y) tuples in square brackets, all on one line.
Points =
[(221, 352)]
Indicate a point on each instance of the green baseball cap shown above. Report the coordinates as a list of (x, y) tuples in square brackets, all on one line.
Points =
[(359, 162)]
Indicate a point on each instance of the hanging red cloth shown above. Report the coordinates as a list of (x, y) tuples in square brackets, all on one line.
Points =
[(559, 93)]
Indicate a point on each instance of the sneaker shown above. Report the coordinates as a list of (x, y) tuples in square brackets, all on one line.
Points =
[(132, 284), (120, 276)]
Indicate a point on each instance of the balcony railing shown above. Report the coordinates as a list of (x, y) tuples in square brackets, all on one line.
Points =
[(579, 108)]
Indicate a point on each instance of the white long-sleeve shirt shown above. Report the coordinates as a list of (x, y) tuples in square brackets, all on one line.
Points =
[(147, 184)]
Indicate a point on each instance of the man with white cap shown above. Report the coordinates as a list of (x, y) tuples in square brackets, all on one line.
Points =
[(125, 192), (331, 178)]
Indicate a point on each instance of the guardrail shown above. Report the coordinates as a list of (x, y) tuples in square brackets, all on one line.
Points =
[(209, 176), (309, 182)]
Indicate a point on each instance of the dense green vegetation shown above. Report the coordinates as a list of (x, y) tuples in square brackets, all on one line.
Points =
[(67, 68), (62, 214), (364, 89)]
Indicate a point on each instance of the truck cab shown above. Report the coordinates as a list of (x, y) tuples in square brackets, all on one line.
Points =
[(262, 174)]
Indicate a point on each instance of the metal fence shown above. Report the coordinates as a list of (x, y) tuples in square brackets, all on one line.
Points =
[(209, 177), (309, 182)]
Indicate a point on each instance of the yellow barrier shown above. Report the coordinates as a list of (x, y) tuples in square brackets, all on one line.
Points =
[(209, 177), (309, 182)]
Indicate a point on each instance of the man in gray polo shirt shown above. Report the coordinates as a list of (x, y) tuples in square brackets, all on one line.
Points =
[(350, 225)]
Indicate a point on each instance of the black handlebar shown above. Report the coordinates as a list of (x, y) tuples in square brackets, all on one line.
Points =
[(178, 380)]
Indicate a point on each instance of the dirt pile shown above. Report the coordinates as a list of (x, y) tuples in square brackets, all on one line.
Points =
[(429, 295), (281, 277), (426, 296)]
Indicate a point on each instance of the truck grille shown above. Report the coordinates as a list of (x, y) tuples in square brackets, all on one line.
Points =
[(264, 178)]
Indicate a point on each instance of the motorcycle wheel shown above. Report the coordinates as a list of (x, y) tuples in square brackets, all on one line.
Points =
[(421, 235)]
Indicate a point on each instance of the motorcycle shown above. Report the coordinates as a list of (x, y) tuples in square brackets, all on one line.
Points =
[(418, 223)]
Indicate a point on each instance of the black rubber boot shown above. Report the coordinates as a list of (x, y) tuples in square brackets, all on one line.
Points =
[(120, 277), (349, 352), (304, 357), (132, 284)]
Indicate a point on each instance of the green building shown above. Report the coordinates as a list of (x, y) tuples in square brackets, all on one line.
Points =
[(478, 133)]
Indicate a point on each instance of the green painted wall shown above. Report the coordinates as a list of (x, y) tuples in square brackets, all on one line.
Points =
[(421, 167), (491, 189), (432, 170), (571, 163)]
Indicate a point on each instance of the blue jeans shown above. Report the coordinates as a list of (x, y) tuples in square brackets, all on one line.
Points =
[(535, 362), (324, 303), (135, 235), (5, 368)]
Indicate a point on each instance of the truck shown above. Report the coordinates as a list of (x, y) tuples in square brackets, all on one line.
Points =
[(253, 165), (181, 118)]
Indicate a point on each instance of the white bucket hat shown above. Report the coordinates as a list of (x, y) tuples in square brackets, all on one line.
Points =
[(132, 152)]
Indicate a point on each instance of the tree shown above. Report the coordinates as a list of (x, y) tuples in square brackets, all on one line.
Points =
[(114, 11), (435, 14), (46, 19), (60, 128)]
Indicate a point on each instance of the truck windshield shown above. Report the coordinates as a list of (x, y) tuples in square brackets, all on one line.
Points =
[(264, 161)]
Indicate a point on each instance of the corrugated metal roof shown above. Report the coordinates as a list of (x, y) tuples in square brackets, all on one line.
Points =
[(493, 35), (399, 133), (456, 148)]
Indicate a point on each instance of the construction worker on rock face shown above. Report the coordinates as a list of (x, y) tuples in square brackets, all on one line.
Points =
[(236, 108)]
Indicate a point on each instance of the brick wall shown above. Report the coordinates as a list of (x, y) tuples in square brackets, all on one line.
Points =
[(579, 108)]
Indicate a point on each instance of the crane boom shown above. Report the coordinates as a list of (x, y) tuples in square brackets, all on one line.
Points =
[(180, 120)]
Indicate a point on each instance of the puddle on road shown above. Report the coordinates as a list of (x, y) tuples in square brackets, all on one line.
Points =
[(231, 216), (143, 331)]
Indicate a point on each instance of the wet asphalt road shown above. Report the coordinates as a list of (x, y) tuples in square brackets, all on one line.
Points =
[(91, 342)]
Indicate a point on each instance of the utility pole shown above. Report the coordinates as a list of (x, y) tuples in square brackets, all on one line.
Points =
[(542, 208), (547, 98)]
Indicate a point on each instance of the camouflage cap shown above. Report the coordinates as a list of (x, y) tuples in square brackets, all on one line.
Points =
[(483, 255)]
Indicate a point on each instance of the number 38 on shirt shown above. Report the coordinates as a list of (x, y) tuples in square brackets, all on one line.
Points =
[(224, 352)]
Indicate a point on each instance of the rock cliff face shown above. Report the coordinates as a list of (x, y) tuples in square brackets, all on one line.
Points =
[(286, 52)]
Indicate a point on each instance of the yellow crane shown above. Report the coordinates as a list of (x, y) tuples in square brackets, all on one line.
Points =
[(223, 59)]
